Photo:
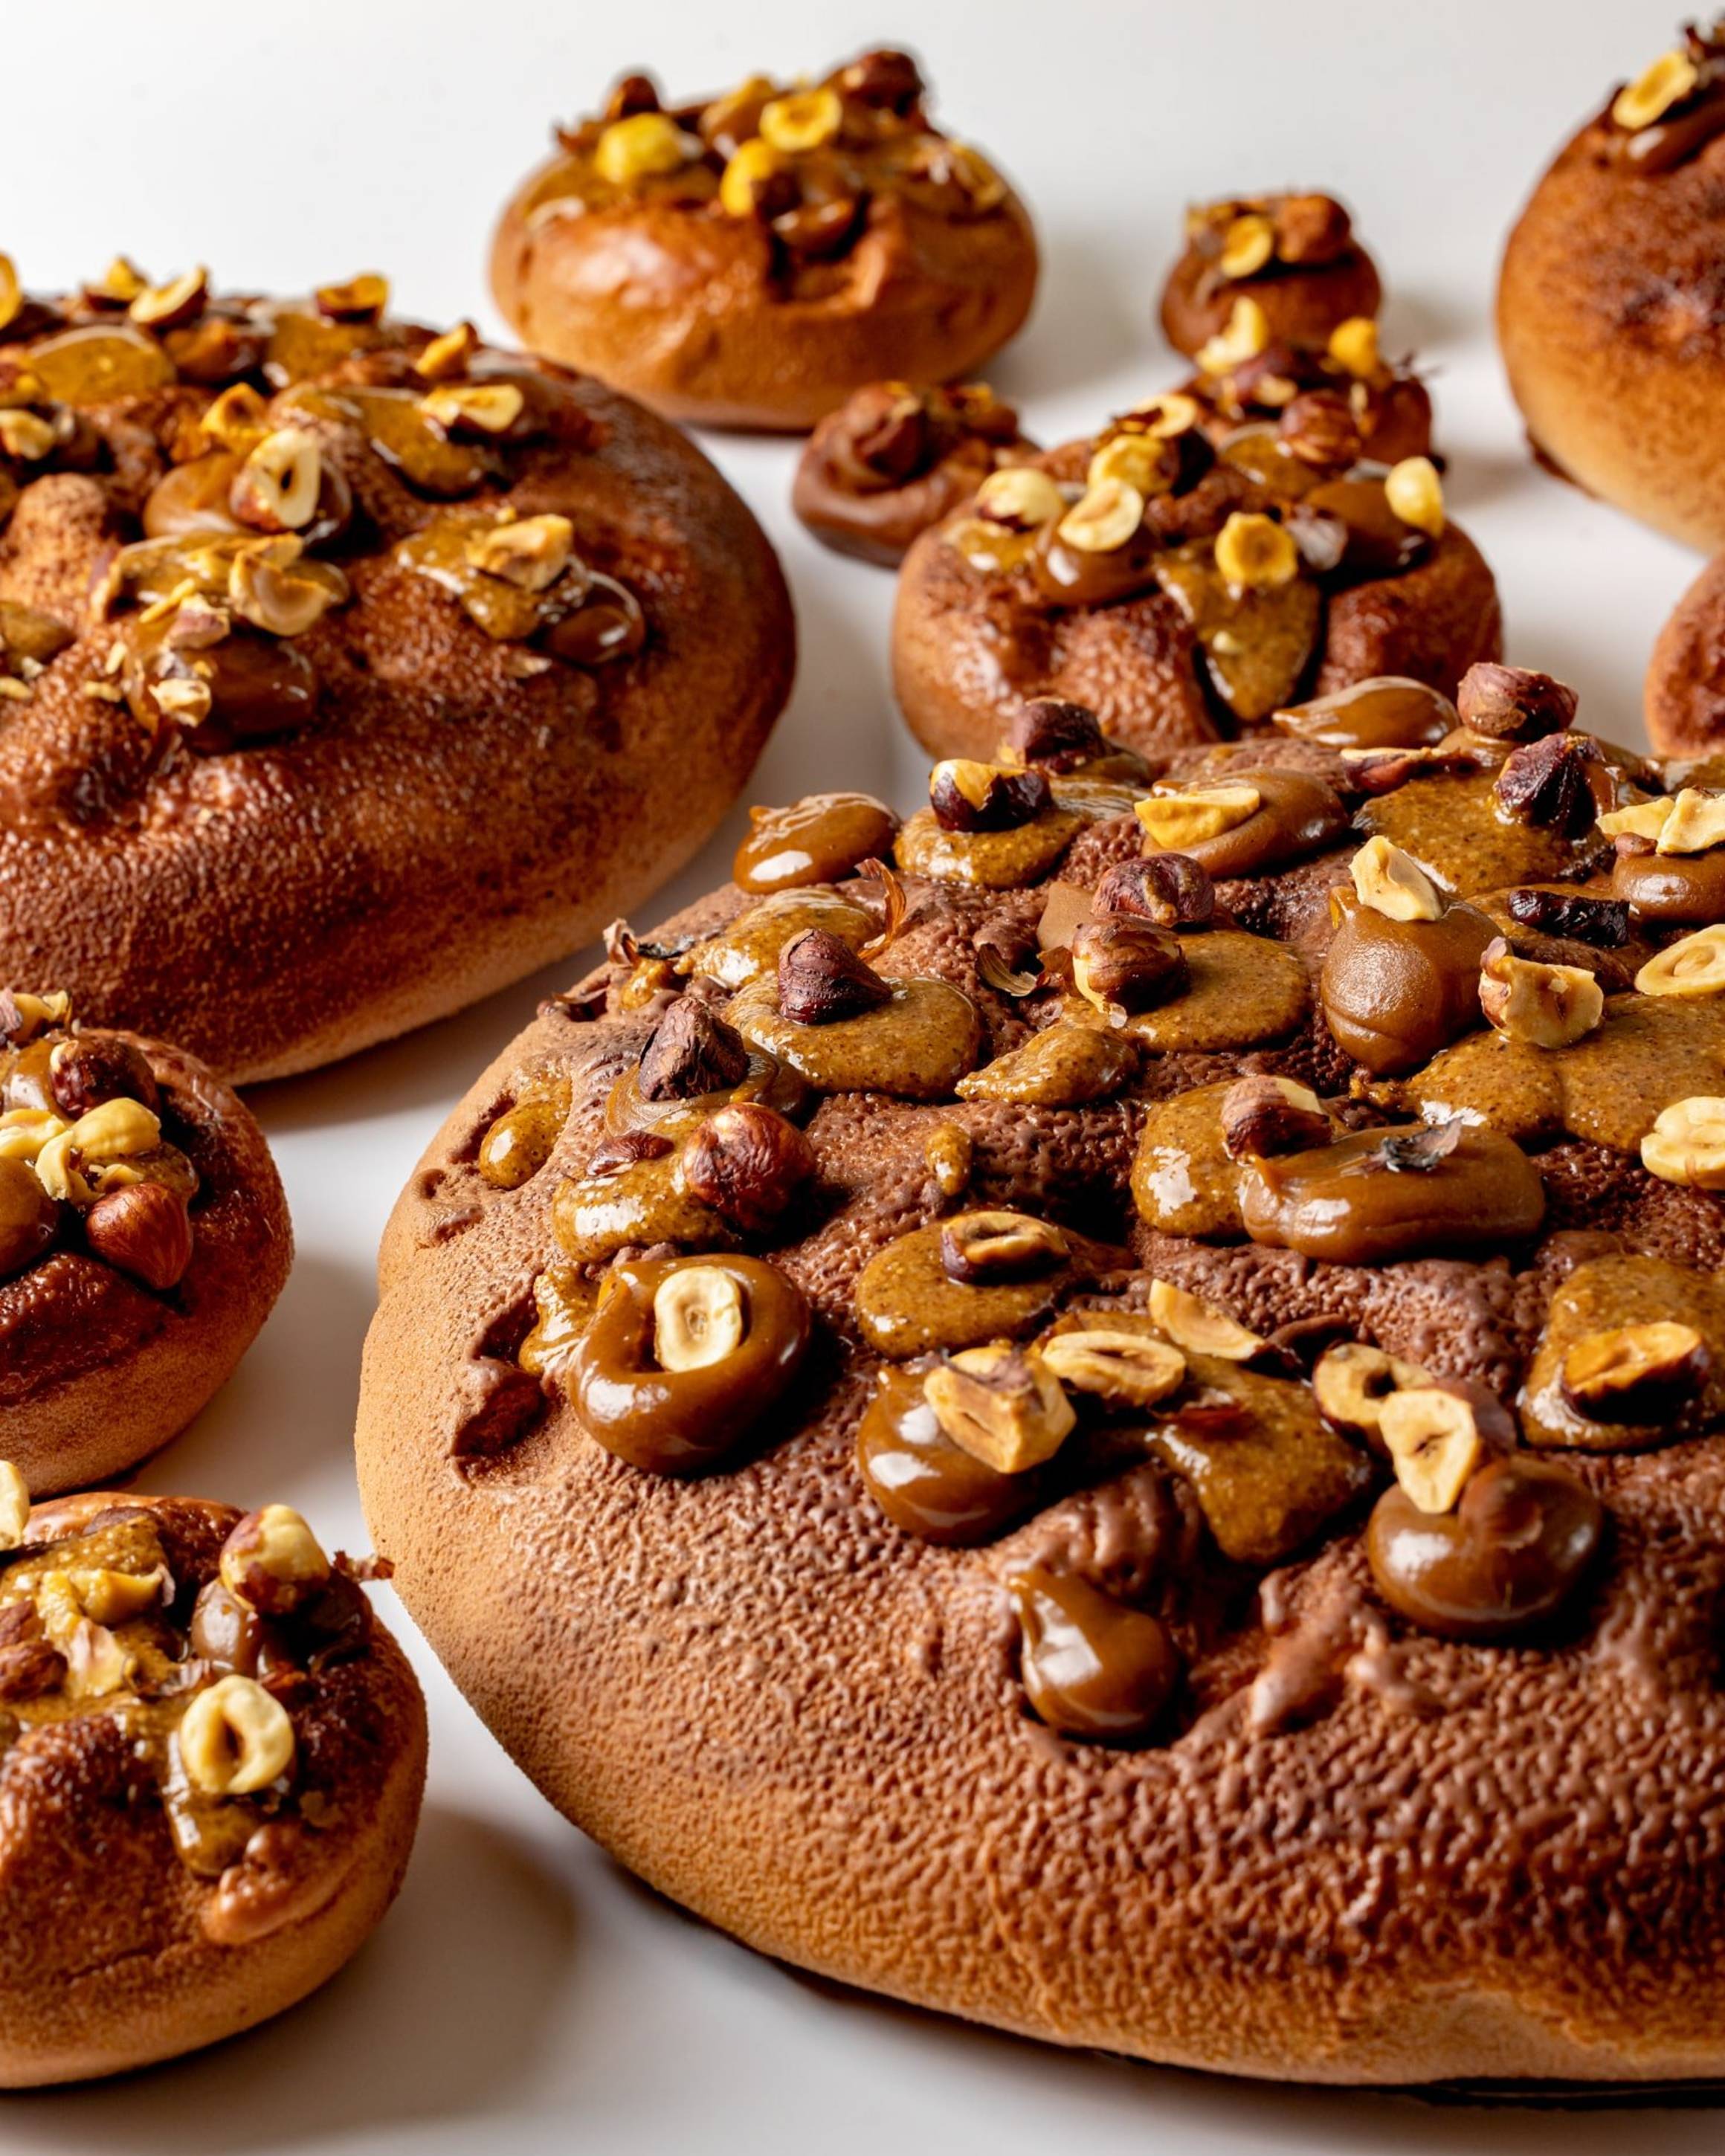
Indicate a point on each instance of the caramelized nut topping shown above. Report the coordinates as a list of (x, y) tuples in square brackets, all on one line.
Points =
[(1576, 916), (143, 1230), (748, 1163), (167, 306), (1121, 965), (821, 979), (1256, 553), (361, 299), (1350, 1382), (1392, 883), (980, 1249), (1002, 1405), (1513, 703), (1104, 518), (1246, 336), (14, 1506), (1175, 820), (639, 146), (692, 1051), (1415, 494), (1264, 1116), (1199, 1326), (1547, 1006), (1048, 730), (1671, 78), (1634, 1373), (235, 1739), (1170, 889), (1693, 966), (1555, 784), (530, 552), (1695, 824), (1122, 1370), (1434, 1441), (698, 1318), (967, 795), (1686, 1143), (273, 1561), (1021, 497)]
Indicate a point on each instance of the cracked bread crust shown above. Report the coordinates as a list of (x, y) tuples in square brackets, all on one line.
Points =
[(1361, 1853)]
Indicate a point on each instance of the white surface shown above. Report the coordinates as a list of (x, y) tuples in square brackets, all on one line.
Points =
[(525, 1988)]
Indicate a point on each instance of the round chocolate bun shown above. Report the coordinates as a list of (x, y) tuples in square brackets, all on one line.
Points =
[(1685, 690), (1293, 258), (144, 1239), (750, 259), (1185, 579), (351, 672), (1606, 306), (211, 1762), (1078, 1440)]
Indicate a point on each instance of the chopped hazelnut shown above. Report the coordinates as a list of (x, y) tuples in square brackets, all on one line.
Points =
[(1394, 883), (1638, 820), (277, 488), (1353, 347), (1247, 335), (1106, 516), (27, 436), (529, 551), (980, 1249), (1174, 821), (1686, 1143), (474, 408), (1001, 1404), (1433, 1437), (360, 299), (116, 1130), (803, 119), (1695, 824), (1123, 1368), (1635, 1373), (698, 1318), (1200, 1327), (1545, 1006), (1415, 494), (1256, 553), (1120, 965), (169, 307), (1248, 245), (1671, 78), (235, 1739), (238, 420), (1350, 1382), (1693, 966), (446, 358), (1264, 1116), (275, 587), (949, 1154)]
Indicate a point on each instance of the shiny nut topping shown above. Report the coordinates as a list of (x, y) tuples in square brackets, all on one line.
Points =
[(1415, 494), (621, 1149), (1140, 461), (805, 119), (1512, 703), (474, 408), (187, 703), (530, 551), (1262, 1116), (1695, 823), (1256, 553), (1434, 1440), (1686, 1143), (640, 146), (1320, 428), (692, 1051), (748, 188), (1394, 883), (821, 979), (980, 1250), (1200, 1327), (1545, 1006), (1019, 497), (1123, 1369), (14, 1506), (12, 292), (1639, 820), (114, 1131), (1693, 966), (238, 420), (276, 489), (143, 1230), (1635, 1373), (1555, 785), (1672, 77), (748, 1163), (1246, 336), (1311, 228), (698, 1318), (1163, 418), (1350, 1382), (1248, 245), (1001, 1404), (27, 436), (1104, 517), (91, 1068), (235, 1739), (275, 587), (361, 299), (1353, 347), (1172, 890), (108, 1597), (968, 796), (273, 1561), (1173, 821), (1048, 730), (1120, 966), (170, 307), (446, 357), (119, 285)]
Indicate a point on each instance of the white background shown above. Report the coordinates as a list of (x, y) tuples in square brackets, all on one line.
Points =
[(524, 1987)]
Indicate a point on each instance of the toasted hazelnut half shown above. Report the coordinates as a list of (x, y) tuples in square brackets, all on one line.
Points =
[(235, 1739), (1019, 497), (1140, 461), (1126, 1369), (474, 408), (979, 1249), (1415, 494), (1248, 244), (1163, 417), (1002, 1405), (1671, 78), (169, 307), (12, 292), (750, 171), (274, 587), (1433, 1438), (1175, 821), (640, 146), (532, 552), (1256, 553), (1686, 1143), (1639, 820), (15, 1506), (1104, 518), (1353, 347), (1264, 1116), (238, 420), (360, 299), (803, 119), (277, 487), (273, 1561), (967, 795), (1693, 966), (1350, 1382), (1634, 1372), (698, 1318), (1246, 336), (1545, 1006), (1695, 824), (27, 436), (446, 358), (188, 703), (1200, 1327), (1394, 883)]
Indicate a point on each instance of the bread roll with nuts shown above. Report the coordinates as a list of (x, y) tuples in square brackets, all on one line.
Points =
[(351, 671), (1294, 258), (1053, 1393), (1606, 312), (211, 1762), (750, 259), (144, 1237)]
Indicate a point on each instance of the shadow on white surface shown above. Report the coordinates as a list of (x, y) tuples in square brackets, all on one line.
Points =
[(441, 2016), (1087, 323)]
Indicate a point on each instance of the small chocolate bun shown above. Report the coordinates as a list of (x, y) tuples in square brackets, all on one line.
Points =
[(160, 1896), (1030, 1492), (1307, 271), (353, 672), (1685, 689), (1607, 306), (749, 261), (157, 1267)]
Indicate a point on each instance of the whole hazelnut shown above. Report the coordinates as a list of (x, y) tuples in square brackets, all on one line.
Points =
[(1319, 428), (692, 1052), (1171, 889), (93, 1067), (747, 1163), (967, 796), (273, 1562), (1050, 730), (1512, 703), (1125, 966), (821, 979), (143, 1230), (29, 1218), (1311, 228), (1559, 783)]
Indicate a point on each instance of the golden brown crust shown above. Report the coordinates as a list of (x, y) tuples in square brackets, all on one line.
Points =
[(458, 811), (1300, 306), (96, 1371), (1685, 688), (113, 1953), (1610, 330)]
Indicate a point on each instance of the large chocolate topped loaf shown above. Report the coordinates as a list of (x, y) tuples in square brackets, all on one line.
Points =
[(1100, 1409)]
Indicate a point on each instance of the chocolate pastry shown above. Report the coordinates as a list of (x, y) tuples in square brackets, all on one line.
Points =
[(1325, 399), (751, 259), (894, 460), (1684, 695), (1607, 310), (211, 1762), (1187, 587), (144, 1239), (1294, 257), (350, 671), (1093, 1433)]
